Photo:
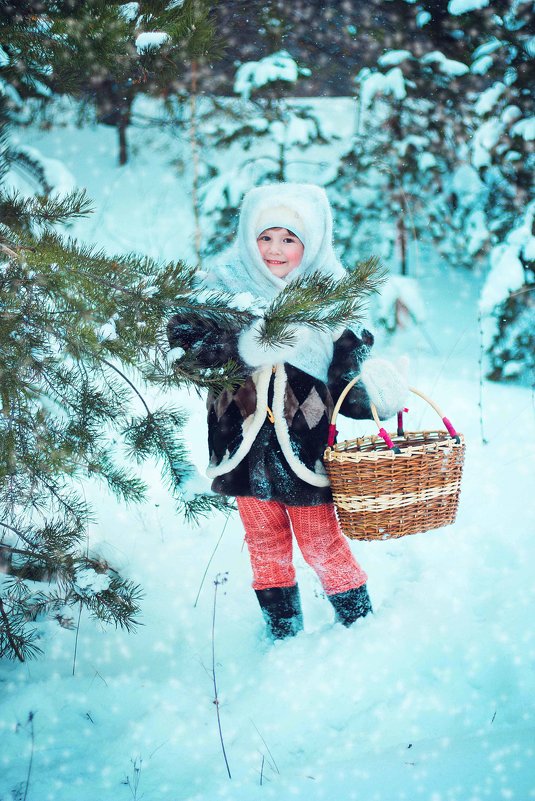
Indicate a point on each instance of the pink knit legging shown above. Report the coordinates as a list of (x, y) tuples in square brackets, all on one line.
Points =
[(268, 534)]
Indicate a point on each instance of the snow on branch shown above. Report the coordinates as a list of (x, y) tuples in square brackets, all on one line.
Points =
[(151, 40), (507, 274), (279, 66), (448, 66), (374, 83), (458, 7)]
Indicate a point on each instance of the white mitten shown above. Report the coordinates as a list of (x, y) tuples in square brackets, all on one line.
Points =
[(386, 385), (255, 354)]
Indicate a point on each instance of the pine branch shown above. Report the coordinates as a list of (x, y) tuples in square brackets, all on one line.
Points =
[(155, 434), (9, 635), (320, 302), (190, 372), (30, 165), (58, 535), (23, 213), (16, 639), (18, 532), (119, 604), (127, 380), (202, 505), (74, 321), (213, 310), (70, 504), (44, 604), (124, 484), (17, 551)]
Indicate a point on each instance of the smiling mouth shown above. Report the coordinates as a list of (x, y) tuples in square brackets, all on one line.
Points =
[(274, 261)]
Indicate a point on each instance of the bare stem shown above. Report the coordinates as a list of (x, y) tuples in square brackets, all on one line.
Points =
[(217, 582), (76, 640), (484, 440), (275, 766), (210, 560), (32, 738)]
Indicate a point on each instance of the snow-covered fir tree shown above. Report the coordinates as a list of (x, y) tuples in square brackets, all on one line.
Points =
[(261, 137), (507, 304), (488, 194), (503, 154), (106, 53), (389, 188)]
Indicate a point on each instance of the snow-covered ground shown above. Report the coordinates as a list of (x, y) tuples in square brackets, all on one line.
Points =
[(430, 698)]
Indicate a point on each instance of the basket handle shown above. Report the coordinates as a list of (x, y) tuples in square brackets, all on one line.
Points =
[(382, 432)]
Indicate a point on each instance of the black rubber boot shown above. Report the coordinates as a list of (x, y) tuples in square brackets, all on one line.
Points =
[(281, 608), (351, 605)]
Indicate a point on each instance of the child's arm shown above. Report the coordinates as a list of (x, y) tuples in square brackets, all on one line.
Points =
[(382, 382), (349, 353), (211, 347)]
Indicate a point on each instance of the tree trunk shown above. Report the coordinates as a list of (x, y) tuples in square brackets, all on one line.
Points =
[(195, 161), (402, 239), (123, 145), (282, 164)]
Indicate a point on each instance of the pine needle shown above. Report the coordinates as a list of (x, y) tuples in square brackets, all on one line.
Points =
[(320, 302)]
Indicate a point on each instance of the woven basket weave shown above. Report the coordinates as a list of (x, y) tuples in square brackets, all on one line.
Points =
[(397, 485)]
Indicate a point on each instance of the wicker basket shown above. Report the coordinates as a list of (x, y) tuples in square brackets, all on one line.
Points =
[(387, 486)]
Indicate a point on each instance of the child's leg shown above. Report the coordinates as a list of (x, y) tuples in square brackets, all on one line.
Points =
[(325, 548), (268, 535)]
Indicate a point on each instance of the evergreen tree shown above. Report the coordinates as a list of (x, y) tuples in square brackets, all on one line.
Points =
[(80, 334), (261, 138), (80, 337), (394, 175), (512, 348), (335, 39), (105, 52), (489, 198), (502, 152)]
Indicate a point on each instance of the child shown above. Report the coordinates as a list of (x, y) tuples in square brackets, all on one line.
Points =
[(266, 439)]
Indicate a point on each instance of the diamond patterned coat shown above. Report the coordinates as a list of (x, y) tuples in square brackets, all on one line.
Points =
[(275, 456)]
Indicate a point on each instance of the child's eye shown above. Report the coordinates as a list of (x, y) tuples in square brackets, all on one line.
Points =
[(264, 237), (289, 239)]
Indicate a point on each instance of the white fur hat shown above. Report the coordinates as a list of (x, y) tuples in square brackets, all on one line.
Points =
[(281, 217)]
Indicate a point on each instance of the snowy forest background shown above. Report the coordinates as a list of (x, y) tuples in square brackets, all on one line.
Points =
[(129, 134)]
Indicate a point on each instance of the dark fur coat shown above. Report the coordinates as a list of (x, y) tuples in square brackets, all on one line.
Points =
[(281, 460)]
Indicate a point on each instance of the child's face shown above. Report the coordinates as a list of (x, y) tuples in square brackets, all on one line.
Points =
[(281, 250)]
